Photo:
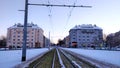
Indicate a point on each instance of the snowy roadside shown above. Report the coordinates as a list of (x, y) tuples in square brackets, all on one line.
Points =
[(9, 59), (106, 57)]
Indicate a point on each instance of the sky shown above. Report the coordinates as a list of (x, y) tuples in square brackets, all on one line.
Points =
[(59, 20)]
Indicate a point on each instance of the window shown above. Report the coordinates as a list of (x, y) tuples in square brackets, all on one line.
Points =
[(18, 39), (13, 42), (88, 39), (31, 39), (18, 36), (13, 39), (83, 39), (87, 36), (18, 43), (14, 36), (18, 32), (27, 42), (73, 38)]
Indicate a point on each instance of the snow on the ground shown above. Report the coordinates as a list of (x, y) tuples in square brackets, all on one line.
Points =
[(112, 57), (9, 59)]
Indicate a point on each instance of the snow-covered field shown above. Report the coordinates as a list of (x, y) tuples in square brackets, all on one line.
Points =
[(9, 59), (112, 57)]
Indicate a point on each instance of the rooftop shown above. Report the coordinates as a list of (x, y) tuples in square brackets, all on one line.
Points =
[(86, 26), (28, 25)]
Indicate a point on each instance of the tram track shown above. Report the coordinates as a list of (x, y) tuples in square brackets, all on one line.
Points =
[(48, 60), (58, 58), (71, 61)]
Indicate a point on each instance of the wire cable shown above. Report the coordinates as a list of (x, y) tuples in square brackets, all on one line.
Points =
[(69, 16)]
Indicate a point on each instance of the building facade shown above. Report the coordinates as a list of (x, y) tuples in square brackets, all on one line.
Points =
[(67, 41), (46, 42), (86, 35), (15, 36)]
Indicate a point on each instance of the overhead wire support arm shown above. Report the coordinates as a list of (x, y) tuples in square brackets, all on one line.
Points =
[(60, 5)]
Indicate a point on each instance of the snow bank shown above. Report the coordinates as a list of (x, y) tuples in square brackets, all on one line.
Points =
[(9, 59), (112, 57)]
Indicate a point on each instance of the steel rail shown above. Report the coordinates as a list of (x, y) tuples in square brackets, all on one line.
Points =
[(53, 63), (73, 63), (60, 60)]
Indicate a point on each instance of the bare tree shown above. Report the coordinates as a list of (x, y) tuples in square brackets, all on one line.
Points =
[(2, 41)]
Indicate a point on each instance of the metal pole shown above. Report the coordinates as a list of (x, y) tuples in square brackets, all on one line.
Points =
[(49, 41), (25, 32)]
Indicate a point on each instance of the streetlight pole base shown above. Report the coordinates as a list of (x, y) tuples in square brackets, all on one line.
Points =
[(23, 58)]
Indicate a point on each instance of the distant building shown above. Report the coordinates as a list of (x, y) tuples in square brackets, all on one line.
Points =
[(67, 41), (34, 36), (46, 42), (85, 36)]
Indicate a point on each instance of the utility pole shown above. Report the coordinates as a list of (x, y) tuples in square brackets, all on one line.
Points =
[(49, 41), (25, 32)]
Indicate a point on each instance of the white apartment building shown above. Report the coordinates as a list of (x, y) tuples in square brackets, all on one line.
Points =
[(85, 35), (34, 36)]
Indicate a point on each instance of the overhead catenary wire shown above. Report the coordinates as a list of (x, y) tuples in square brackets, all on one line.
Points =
[(54, 5), (49, 5), (69, 16)]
